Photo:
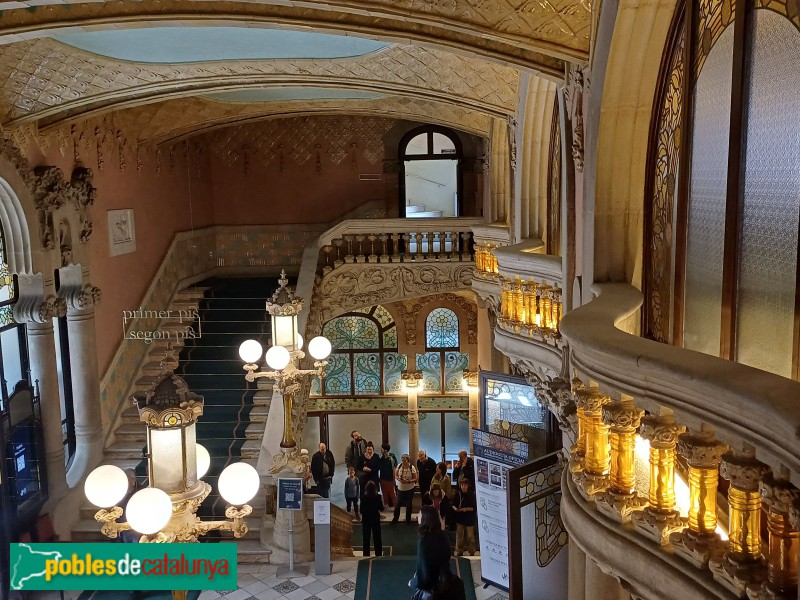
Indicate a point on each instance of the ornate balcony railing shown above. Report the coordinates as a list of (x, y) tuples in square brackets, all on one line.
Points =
[(720, 418), (381, 241), (487, 239)]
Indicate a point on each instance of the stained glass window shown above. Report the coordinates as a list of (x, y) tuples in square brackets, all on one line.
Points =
[(362, 362), (441, 329)]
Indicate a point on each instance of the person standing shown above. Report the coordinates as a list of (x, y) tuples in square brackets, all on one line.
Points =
[(464, 506), (352, 491), (442, 479), (322, 466), (355, 450), (433, 555), (388, 465), (464, 469), (370, 466), (426, 468), (406, 476), (371, 507)]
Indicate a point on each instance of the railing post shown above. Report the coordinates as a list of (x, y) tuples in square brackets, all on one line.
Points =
[(743, 563), (700, 541), (620, 500), (338, 261), (384, 258), (349, 257), (660, 519), (593, 479), (784, 540), (373, 258), (396, 248), (360, 252)]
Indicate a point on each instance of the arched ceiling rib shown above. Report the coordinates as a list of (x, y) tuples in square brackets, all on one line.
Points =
[(529, 33), (48, 82), (168, 121)]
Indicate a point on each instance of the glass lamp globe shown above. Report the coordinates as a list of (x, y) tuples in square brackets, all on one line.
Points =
[(319, 348), (149, 510), (278, 357), (105, 486), (300, 342), (238, 483), (250, 351), (203, 460)]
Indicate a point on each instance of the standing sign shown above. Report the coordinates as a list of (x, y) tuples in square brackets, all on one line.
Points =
[(290, 493), (495, 455)]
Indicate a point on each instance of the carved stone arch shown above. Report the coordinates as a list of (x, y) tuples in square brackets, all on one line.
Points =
[(17, 212), (463, 309)]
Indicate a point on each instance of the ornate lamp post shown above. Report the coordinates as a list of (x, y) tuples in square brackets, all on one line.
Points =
[(283, 358), (166, 511)]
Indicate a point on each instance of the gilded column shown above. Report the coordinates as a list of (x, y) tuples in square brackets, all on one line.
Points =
[(660, 518), (743, 563), (593, 479), (700, 541), (85, 380), (37, 315), (780, 497), (620, 500), (577, 452), (471, 383)]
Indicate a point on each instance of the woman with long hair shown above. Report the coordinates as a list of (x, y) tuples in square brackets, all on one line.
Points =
[(433, 555), (371, 507)]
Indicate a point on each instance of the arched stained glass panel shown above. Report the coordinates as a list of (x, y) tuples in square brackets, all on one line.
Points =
[(441, 329), (352, 333)]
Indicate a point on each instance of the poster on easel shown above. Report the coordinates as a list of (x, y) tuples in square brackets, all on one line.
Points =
[(494, 455)]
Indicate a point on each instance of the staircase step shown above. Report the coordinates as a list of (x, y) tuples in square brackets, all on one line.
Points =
[(254, 431), (132, 431), (251, 448), (124, 449), (414, 208), (428, 214), (251, 551), (259, 414), (130, 416)]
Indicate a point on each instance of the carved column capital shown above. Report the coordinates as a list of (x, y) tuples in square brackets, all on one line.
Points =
[(701, 449), (590, 401), (660, 430), (622, 416), (778, 493), (743, 470)]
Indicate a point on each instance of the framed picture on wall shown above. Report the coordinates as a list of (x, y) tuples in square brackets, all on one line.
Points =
[(121, 231)]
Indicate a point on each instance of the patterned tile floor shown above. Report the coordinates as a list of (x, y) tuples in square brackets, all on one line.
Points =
[(258, 582)]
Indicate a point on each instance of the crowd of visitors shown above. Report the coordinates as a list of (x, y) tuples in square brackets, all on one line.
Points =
[(376, 482)]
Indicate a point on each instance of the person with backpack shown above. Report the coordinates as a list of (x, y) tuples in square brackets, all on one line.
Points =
[(406, 476), (388, 465)]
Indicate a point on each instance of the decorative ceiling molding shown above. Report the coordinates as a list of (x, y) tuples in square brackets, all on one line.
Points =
[(531, 33), (49, 82), (173, 119)]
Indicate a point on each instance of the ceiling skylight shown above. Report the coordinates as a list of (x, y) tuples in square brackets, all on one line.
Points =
[(200, 44)]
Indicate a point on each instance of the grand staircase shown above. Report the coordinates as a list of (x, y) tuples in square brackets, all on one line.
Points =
[(231, 310)]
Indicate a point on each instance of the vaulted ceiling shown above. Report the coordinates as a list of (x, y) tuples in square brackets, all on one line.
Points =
[(171, 68)]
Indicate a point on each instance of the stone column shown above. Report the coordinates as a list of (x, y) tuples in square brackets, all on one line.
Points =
[(85, 380), (600, 586), (700, 541), (576, 578), (620, 500), (413, 423), (37, 314), (660, 519), (779, 496), (485, 335), (743, 563)]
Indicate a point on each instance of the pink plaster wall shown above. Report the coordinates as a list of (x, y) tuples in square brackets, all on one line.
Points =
[(161, 207)]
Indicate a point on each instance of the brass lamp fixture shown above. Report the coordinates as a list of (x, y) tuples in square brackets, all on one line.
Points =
[(286, 353), (166, 510)]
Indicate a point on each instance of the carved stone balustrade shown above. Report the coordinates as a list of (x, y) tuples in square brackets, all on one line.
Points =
[(383, 241)]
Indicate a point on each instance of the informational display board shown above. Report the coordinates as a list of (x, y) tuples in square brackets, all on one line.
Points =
[(290, 493), (495, 455)]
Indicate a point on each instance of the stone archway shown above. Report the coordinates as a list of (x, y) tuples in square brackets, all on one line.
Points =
[(622, 102)]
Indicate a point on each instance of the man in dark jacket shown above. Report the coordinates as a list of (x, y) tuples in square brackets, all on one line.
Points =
[(426, 469), (322, 465), (464, 469), (369, 465)]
